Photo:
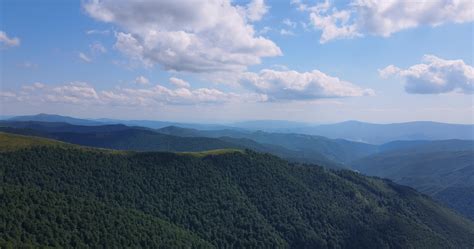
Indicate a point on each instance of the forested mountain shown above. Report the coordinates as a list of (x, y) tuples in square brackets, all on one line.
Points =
[(338, 150), (442, 169), (144, 139), (55, 194), (42, 117), (52, 127)]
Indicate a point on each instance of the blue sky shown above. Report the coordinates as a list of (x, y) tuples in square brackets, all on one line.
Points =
[(221, 61)]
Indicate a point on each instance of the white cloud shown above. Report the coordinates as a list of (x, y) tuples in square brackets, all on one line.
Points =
[(7, 95), (383, 18), (97, 32), (141, 80), (82, 93), (97, 48), (179, 83), (435, 75), (256, 9), (34, 86), (334, 26), (195, 35), (293, 85), (9, 41), (84, 57), (289, 23), (286, 32), (74, 92), (388, 71)]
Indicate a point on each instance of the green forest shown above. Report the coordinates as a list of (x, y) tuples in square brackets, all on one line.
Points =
[(60, 195)]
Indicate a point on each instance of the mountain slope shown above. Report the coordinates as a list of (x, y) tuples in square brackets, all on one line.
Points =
[(229, 199), (442, 169), (37, 218), (336, 150)]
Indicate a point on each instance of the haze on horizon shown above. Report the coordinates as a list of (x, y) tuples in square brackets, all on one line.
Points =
[(226, 61)]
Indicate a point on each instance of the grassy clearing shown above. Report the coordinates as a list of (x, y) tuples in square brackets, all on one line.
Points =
[(12, 142), (211, 152)]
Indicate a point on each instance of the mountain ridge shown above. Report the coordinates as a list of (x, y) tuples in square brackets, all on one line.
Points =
[(244, 200)]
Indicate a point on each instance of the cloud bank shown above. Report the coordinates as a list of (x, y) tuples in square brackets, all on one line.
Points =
[(83, 93)]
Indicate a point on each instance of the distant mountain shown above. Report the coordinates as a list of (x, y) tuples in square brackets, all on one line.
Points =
[(383, 133), (160, 124), (419, 146), (123, 137), (269, 125), (51, 127), (2, 117), (104, 121), (442, 169), (55, 118), (60, 195), (350, 130), (337, 150)]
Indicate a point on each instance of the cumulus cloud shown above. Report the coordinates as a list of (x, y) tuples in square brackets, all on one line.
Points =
[(383, 18), (179, 82), (74, 92), (293, 85), (194, 36), (84, 57), (7, 41), (435, 75), (142, 80), (388, 71)]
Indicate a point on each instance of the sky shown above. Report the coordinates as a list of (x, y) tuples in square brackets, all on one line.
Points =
[(222, 61)]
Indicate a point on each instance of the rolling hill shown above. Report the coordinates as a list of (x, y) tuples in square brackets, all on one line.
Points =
[(70, 197)]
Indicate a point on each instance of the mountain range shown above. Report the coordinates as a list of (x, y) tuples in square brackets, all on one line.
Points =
[(442, 169), (349, 130), (57, 194)]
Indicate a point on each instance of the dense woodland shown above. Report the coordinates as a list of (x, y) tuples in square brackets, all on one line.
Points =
[(60, 195), (447, 176)]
